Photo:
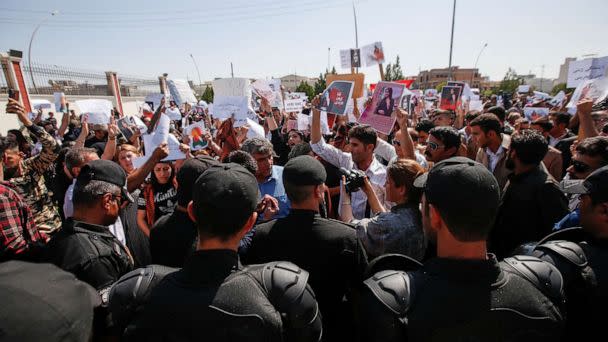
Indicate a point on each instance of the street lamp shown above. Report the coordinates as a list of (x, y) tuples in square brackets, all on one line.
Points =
[(198, 72), (477, 60), (29, 50), (452, 40)]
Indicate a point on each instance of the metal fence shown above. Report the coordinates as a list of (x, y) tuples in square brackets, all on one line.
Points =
[(45, 79)]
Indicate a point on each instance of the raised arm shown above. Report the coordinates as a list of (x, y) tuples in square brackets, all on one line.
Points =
[(407, 144)]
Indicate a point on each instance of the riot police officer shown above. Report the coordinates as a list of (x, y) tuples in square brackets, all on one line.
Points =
[(214, 298), (464, 293)]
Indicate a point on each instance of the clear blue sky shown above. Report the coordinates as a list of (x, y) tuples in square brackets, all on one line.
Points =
[(266, 38)]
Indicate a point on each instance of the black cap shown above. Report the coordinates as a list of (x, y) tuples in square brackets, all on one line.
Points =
[(188, 174), (105, 171), (228, 188), (41, 302), (462, 183), (304, 170), (595, 185)]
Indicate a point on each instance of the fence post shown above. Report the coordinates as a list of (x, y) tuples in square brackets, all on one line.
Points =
[(114, 89), (162, 82), (11, 66)]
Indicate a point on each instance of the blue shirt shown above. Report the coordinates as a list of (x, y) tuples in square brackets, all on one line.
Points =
[(273, 186)]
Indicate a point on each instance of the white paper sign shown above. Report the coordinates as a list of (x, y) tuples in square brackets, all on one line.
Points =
[(231, 87), (345, 59), (181, 92), (161, 133), (293, 106), (225, 107), (174, 152), (586, 69), (98, 111), (41, 104), (373, 54), (523, 88), (155, 99), (277, 100), (173, 113), (476, 105), (596, 90), (303, 122), (262, 88), (558, 100), (255, 130), (140, 124), (59, 101)]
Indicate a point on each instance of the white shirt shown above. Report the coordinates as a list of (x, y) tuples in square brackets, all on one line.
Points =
[(68, 211), (376, 173), (553, 141), (493, 158)]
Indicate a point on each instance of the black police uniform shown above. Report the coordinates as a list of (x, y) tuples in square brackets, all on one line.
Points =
[(214, 298), (91, 253), (583, 262), (465, 300), (328, 249)]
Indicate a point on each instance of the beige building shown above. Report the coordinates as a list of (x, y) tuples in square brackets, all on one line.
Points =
[(563, 70), (291, 82), (431, 78)]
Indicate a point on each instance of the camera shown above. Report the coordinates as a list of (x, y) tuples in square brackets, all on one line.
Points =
[(354, 179)]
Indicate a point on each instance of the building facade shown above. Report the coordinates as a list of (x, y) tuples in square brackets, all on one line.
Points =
[(432, 78)]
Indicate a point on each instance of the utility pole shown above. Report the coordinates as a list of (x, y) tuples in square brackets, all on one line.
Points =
[(542, 74), (231, 70), (356, 34), (452, 40)]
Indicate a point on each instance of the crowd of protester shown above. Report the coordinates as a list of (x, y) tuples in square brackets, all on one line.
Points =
[(458, 225)]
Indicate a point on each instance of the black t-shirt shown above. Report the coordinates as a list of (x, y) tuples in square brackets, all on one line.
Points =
[(172, 239), (164, 200)]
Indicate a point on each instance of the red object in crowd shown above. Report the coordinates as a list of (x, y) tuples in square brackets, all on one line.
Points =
[(407, 83)]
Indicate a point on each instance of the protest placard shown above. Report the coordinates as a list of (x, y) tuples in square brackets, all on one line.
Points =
[(379, 114), (345, 59), (293, 106), (540, 96), (596, 90), (335, 97), (172, 143), (277, 99), (303, 122), (41, 104), (522, 89), (262, 88), (533, 113), (124, 125), (196, 133), (355, 58), (357, 79), (153, 100), (449, 97), (225, 107), (173, 113), (430, 93), (373, 54), (98, 111), (181, 92), (476, 105), (586, 69), (60, 103)]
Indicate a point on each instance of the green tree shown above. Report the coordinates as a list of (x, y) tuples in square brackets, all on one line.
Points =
[(393, 72), (440, 86), (207, 95), (306, 88), (510, 82), (333, 70), (320, 85), (558, 87)]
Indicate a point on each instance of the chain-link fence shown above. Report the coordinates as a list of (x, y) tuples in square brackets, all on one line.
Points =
[(46, 79)]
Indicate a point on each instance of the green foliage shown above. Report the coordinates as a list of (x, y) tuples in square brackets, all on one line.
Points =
[(306, 88), (393, 72), (207, 95), (333, 70), (558, 87), (320, 85), (510, 82), (440, 86)]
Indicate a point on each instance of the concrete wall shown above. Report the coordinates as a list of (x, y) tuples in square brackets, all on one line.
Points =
[(9, 121)]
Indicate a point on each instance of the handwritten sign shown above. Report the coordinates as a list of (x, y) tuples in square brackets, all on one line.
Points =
[(293, 106), (225, 107), (181, 92), (98, 111), (586, 69)]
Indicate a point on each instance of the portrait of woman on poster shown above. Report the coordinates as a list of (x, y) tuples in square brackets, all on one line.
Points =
[(387, 103)]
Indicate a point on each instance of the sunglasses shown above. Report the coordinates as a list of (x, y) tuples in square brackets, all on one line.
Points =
[(396, 142), (433, 146), (580, 167)]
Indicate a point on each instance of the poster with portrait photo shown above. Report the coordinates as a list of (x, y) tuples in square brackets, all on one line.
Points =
[(534, 113), (373, 54), (449, 98), (379, 113), (335, 98)]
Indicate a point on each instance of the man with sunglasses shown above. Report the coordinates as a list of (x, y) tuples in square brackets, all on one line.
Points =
[(443, 143), (85, 246)]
